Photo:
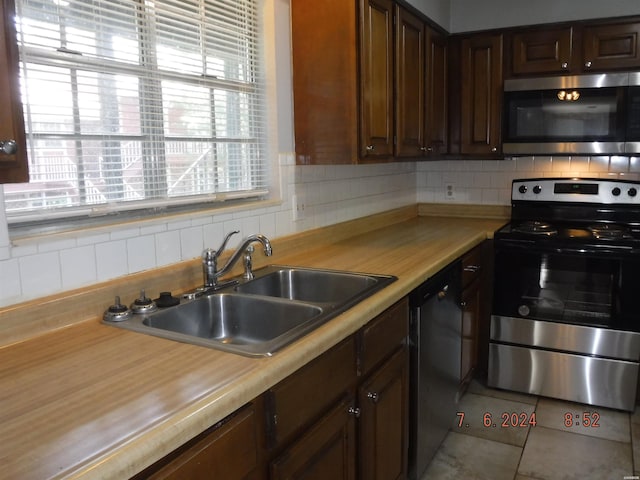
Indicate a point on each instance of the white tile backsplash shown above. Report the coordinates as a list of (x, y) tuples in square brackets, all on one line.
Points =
[(331, 193)]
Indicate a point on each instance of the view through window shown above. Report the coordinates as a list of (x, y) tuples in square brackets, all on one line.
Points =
[(138, 103)]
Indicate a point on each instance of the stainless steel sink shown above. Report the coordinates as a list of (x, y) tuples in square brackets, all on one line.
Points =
[(260, 316), (310, 285)]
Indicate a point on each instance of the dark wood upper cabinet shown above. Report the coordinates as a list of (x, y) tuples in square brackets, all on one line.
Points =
[(609, 47), (325, 81), (376, 79), (547, 51), (481, 94), (410, 84), (437, 91), (13, 149), (575, 49)]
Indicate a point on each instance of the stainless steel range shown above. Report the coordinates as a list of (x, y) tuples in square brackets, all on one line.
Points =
[(566, 317)]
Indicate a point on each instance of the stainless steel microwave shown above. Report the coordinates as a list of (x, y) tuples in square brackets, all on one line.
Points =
[(582, 114)]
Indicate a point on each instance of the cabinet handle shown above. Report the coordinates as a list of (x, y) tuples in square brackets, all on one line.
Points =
[(373, 396), (424, 149), (472, 268), (587, 64), (370, 148), (8, 147), (443, 293), (494, 149), (463, 304), (355, 411), (565, 65)]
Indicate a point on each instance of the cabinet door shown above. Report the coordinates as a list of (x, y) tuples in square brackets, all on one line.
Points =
[(611, 46), (376, 79), (481, 94), (410, 84), (383, 401), (436, 118), (325, 81), (13, 150), (326, 451), (541, 51)]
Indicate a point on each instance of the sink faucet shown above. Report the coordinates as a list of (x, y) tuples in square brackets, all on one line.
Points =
[(210, 258)]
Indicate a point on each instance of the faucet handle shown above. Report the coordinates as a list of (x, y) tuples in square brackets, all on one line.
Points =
[(216, 253)]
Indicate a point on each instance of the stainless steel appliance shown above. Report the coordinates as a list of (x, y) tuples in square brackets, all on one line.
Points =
[(435, 352), (565, 320), (588, 114)]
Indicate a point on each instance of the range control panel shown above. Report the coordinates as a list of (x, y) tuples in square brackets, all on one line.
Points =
[(576, 190)]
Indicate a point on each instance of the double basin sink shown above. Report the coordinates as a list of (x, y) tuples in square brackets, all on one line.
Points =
[(259, 316)]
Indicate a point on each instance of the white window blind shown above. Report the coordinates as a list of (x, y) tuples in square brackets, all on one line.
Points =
[(138, 103)]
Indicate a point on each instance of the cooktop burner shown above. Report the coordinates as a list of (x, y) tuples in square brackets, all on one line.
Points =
[(609, 231), (535, 227)]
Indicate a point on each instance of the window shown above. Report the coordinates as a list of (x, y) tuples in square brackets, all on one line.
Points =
[(135, 104)]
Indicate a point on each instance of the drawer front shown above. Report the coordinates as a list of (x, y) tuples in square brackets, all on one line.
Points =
[(381, 337), (227, 451), (472, 264), (300, 398)]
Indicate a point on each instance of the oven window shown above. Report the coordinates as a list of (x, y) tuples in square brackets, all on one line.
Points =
[(562, 288), (541, 116)]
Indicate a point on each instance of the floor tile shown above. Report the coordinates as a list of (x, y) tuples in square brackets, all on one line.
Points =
[(484, 417), (610, 424), (635, 443), (473, 458), (635, 416), (480, 388), (551, 454)]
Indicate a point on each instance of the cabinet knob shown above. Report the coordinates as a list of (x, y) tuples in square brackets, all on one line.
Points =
[(355, 411), (565, 65), (424, 149), (373, 396), (8, 147), (494, 149), (370, 148), (587, 64)]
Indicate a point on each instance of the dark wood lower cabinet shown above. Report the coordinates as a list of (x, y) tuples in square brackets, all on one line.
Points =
[(229, 450), (383, 421), (326, 451)]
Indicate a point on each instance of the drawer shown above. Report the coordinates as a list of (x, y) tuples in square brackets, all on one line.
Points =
[(382, 335), (472, 265), (302, 397)]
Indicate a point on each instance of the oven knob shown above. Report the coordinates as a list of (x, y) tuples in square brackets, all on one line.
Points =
[(615, 192), (632, 192), (522, 189), (537, 189), (524, 310)]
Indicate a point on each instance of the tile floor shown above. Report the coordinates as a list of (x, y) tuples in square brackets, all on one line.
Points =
[(608, 450)]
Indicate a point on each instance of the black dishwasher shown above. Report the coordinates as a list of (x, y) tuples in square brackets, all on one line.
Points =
[(435, 350)]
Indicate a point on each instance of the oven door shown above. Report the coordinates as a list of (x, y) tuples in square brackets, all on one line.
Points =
[(577, 287)]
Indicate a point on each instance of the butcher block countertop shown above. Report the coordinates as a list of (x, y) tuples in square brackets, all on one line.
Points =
[(87, 400)]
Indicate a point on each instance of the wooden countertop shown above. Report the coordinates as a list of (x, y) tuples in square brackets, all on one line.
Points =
[(92, 401)]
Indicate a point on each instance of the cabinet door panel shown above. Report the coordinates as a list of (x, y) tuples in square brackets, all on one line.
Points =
[(326, 451), (611, 46), (13, 165), (410, 84), (383, 401), (437, 114), (481, 94), (546, 51), (470, 319), (376, 77), (325, 88)]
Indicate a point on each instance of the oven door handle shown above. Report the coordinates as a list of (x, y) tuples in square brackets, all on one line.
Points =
[(531, 246)]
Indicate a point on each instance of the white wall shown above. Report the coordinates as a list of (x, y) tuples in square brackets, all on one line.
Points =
[(470, 15), (437, 10)]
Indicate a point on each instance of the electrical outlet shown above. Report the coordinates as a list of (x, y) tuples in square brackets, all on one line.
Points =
[(297, 203), (450, 191)]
